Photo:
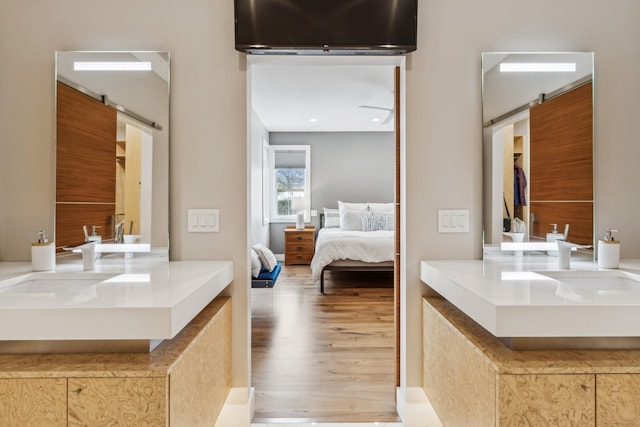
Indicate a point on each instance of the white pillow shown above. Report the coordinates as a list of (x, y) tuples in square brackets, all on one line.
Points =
[(352, 206), (267, 258), (351, 220), (331, 218), (256, 264), (386, 208)]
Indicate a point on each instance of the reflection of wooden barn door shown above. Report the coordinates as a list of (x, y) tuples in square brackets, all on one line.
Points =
[(85, 165), (561, 182)]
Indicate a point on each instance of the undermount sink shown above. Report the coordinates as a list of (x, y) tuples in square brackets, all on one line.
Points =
[(601, 281), (44, 289), (52, 282)]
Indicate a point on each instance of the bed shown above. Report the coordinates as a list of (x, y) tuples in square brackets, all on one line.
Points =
[(349, 248)]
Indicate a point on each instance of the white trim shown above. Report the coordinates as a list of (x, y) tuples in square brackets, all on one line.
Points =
[(414, 408), (399, 60), (238, 408)]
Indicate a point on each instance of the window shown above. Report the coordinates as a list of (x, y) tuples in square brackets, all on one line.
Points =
[(290, 167)]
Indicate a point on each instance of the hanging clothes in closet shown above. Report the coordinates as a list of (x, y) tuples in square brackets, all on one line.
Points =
[(519, 186)]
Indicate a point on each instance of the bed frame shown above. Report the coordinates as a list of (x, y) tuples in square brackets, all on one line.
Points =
[(352, 265)]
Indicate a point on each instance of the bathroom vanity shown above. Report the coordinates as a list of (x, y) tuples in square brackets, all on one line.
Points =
[(107, 372), (518, 341)]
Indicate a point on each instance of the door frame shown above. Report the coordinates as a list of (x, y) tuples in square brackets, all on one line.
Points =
[(400, 184)]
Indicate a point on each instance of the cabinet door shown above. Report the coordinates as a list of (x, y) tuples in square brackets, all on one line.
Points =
[(34, 402), (117, 401), (618, 399), (546, 400)]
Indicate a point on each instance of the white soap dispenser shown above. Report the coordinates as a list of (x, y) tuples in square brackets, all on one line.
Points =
[(93, 237), (609, 251), (43, 253)]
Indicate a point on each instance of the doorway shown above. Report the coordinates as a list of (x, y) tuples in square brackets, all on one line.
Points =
[(260, 227)]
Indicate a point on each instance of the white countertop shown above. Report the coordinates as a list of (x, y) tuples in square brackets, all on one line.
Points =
[(146, 298), (503, 297)]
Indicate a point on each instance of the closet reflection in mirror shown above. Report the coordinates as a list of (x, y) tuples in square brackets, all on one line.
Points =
[(538, 146), (112, 148)]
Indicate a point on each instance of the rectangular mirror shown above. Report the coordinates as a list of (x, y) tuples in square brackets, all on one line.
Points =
[(112, 148), (538, 147)]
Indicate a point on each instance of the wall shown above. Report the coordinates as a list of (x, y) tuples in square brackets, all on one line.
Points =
[(346, 166), (259, 134), (207, 132), (208, 124)]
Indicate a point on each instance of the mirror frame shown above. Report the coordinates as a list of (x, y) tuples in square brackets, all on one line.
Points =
[(515, 111), (149, 111)]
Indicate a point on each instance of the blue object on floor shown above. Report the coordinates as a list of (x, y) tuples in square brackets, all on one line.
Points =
[(266, 278)]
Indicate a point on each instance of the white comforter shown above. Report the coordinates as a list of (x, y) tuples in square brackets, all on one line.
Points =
[(336, 244)]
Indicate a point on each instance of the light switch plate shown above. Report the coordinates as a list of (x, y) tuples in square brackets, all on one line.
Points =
[(453, 220), (203, 220)]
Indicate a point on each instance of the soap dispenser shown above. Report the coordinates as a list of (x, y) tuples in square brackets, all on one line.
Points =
[(609, 251), (555, 235), (93, 237), (43, 253)]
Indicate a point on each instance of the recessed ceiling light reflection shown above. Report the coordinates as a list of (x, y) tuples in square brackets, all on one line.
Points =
[(313, 120), (375, 120)]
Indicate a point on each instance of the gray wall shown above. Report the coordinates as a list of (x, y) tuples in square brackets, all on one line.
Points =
[(345, 166)]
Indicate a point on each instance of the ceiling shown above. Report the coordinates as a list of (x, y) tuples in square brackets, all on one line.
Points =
[(285, 96)]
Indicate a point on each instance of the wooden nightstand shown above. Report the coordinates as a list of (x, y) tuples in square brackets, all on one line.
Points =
[(299, 245)]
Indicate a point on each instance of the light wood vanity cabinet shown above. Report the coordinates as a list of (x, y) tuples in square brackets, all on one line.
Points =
[(36, 402), (546, 400), (618, 399), (183, 382), (117, 401), (472, 379)]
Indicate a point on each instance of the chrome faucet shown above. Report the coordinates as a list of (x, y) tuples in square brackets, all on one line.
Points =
[(564, 252)]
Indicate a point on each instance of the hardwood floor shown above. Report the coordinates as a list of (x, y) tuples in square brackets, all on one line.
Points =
[(324, 358)]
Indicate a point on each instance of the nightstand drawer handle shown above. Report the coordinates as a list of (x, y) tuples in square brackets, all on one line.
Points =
[(299, 238), (299, 248), (299, 257)]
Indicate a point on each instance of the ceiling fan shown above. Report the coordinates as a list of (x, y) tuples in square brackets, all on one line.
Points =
[(389, 116)]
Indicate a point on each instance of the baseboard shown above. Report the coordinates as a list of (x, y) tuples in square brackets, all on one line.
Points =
[(238, 408), (414, 408), (279, 257)]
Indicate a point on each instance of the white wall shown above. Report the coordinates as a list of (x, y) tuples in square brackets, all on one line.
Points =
[(208, 123), (259, 134)]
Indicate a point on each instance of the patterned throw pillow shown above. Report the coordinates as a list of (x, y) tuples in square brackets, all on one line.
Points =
[(373, 222)]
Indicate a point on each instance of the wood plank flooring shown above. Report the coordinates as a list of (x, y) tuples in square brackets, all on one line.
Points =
[(324, 358)]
